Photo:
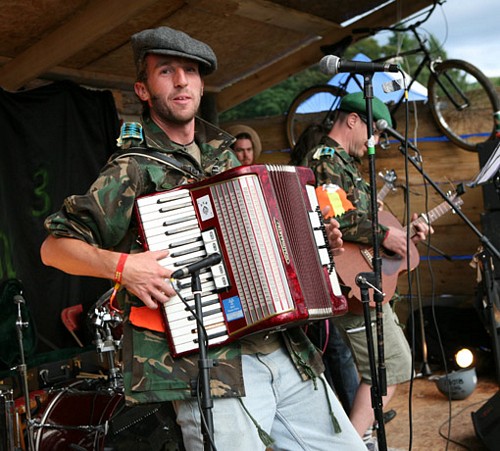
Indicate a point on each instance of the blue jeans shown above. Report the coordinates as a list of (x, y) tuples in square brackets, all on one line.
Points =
[(295, 413)]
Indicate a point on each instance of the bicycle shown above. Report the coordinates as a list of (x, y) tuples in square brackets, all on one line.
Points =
[(462, 100)]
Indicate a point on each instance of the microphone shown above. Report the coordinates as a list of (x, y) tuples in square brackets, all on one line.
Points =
[(383, 126), (211, 260), (331, 65), (18, 299)]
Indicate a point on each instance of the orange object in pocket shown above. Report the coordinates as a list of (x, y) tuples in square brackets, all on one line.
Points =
[(147, 318), (334, 197)]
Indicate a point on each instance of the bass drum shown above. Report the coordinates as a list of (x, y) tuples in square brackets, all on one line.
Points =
[(90, 416)]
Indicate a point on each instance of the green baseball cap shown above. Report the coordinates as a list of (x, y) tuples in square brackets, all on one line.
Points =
[(355, 103)]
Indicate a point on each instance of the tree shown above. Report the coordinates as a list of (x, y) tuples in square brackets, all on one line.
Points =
[(277, 99)]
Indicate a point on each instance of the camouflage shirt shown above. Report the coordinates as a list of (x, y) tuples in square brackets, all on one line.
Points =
[(104, 218), (331, 164)]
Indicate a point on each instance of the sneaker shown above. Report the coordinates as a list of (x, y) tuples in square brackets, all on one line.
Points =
[(371, 444), (368, 434)]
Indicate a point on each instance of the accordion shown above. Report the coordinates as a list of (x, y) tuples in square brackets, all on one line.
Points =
[(276, 269)]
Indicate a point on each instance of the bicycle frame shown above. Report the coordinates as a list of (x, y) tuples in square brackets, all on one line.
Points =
[(430, 63)]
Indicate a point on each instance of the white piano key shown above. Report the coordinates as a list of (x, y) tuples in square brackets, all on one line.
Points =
[(160, 242), (163, 196), (182, 326), (324, 257), (208, 301), (314, 220), (207, 287), (178, 306), (167, 230), (180, 322), (319, 238), (191, 335), (185, 282), (184, 260), (156, 218), (334, 280), (192, 346), (186, 249)]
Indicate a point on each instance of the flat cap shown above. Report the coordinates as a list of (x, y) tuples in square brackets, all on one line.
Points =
[(355, 103), (167, 41)]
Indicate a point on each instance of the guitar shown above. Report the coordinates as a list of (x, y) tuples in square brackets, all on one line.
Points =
[(358, 258), (389, 178)]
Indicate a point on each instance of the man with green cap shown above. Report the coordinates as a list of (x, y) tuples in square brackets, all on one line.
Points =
[(266, 386), (335, 163)]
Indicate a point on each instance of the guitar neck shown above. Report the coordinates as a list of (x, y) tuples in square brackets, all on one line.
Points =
[(383, 192), (431, 216)]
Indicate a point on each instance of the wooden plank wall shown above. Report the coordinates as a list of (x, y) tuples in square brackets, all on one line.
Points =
[(446, 165)]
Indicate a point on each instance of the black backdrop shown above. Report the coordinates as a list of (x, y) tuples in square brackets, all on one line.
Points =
[(54, 140)]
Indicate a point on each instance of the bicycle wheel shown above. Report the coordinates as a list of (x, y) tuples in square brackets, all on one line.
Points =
[(463, 102), (313, 105)]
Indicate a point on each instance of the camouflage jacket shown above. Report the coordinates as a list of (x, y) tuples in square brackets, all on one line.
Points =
[(331, 164), (104, 217)]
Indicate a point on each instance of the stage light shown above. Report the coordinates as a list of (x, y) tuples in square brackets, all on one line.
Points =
[(464, 358), (457, 384)]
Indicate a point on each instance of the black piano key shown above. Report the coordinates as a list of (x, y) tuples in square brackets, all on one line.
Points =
[(212, 336), (206, 314), (187, 251)]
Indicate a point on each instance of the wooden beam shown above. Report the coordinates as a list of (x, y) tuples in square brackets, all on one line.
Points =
[(93, 79), (311, 54), (291, 19), (97, 19)]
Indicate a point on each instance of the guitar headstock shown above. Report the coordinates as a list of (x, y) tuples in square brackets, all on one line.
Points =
[(389, 177), (454, 197)]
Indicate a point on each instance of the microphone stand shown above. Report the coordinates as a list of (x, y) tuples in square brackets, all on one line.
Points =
[(202, 385), (482, 238), (374, 281)]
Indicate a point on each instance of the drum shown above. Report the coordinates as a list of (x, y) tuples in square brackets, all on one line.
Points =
[(89, 415), (75, 417)]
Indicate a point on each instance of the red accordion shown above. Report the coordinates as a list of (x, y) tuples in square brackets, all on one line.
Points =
[(276, 270)]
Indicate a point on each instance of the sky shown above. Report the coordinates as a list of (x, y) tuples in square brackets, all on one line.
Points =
[(469, 30)]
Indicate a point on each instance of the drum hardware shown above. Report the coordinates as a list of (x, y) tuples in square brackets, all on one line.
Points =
[(105, 320), (9, 435), (22, 369)]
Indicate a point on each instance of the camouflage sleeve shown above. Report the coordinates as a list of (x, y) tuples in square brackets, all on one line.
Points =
[(229, 159), (356, 225), (101, 216)]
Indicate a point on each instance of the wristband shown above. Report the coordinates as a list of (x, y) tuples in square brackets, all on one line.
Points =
[(117, 280), (119, 269)]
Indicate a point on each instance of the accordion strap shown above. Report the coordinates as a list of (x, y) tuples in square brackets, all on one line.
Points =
[(160, 157)]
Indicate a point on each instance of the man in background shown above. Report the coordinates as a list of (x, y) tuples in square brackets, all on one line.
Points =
[(336, 162), (247, 146)]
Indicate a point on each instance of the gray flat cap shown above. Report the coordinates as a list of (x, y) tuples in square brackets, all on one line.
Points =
[(167, 41)]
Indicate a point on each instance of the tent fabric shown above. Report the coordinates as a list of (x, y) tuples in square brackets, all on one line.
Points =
[(55, 139), (417, 93), (323, 102)]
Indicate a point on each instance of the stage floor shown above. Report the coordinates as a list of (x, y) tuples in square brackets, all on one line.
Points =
[(433, 418)]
